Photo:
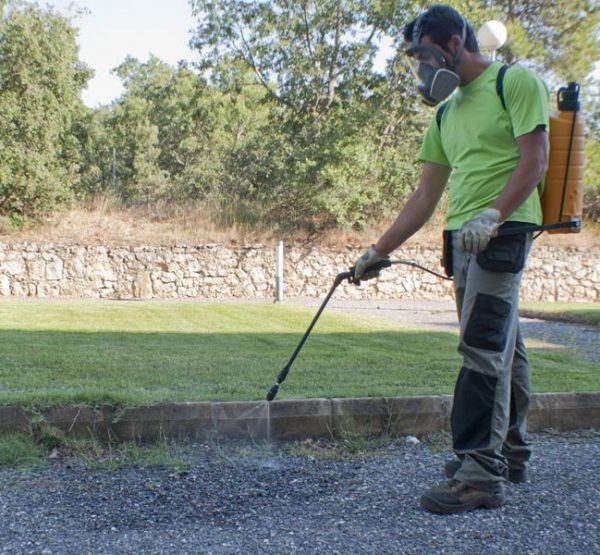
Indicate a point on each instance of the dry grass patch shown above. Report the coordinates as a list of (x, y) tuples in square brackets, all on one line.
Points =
[(103, 221)]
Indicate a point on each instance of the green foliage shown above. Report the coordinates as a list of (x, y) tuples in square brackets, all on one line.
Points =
[(322, 158), (562, 35), (286, 116), (96, 144), (41, 78)]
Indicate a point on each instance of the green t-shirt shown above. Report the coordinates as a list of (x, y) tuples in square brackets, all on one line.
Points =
[(477, 139)]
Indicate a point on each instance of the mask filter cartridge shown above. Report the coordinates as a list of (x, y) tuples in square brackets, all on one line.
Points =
[(442, 85)]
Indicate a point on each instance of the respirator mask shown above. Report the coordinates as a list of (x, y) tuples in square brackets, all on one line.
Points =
[(437, 78)]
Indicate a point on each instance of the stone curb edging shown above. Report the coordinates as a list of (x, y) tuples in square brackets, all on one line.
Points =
[(290, 419)]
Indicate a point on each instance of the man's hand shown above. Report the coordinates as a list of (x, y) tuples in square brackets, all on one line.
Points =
[(367, 259), (474, 235)]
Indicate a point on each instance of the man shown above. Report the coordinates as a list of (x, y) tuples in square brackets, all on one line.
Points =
[(493, 158)]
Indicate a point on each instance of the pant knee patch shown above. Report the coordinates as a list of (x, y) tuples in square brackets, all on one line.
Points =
[(472, 410), (486, 328)]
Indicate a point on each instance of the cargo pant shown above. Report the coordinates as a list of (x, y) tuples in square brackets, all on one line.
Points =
[(492, 391)]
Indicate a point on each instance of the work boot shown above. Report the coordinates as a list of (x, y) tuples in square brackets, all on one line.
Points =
[(515, 475), (455, 497)]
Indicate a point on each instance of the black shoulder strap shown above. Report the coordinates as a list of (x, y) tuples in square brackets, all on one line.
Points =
[(439, 114), (500, 84)]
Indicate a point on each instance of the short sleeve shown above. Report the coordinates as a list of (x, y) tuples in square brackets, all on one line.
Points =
[(527, 100), (431, 148)]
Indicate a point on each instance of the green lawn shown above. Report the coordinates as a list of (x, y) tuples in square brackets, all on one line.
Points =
[(148, 352), (588, 313)]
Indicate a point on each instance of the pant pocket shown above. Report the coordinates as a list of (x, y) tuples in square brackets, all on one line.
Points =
[(486, 328), (472, 410), (504, 254)]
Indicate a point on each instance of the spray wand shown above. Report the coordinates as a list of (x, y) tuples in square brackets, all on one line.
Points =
[(374, 268)]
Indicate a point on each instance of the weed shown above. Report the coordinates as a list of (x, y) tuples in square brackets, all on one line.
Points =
[(130, 454), (20, 450), (438, 442)]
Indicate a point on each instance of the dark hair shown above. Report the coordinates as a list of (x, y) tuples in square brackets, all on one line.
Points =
[(440, 23)]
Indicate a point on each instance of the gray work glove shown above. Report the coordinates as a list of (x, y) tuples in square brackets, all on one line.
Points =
[(474, 235), (364, 261)]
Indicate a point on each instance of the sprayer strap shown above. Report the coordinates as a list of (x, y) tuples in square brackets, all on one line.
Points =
[(439, 114), (500, 83)]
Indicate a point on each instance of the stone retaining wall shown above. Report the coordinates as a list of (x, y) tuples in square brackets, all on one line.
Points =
[(216, 271)]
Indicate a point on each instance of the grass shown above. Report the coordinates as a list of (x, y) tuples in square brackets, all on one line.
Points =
[(586, 313), (20, 450), (44, 443), (137, 353)]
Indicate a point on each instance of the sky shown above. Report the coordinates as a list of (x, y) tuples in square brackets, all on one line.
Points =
[(114, 29)]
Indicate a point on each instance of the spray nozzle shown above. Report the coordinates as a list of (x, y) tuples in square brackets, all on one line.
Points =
[(272, 392)]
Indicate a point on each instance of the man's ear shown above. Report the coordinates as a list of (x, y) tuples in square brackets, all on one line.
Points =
[(454, 44)]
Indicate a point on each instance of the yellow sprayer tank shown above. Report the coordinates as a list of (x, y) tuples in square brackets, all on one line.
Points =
[(562, 199)]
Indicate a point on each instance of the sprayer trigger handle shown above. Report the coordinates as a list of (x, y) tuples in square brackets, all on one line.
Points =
[(383, 263)]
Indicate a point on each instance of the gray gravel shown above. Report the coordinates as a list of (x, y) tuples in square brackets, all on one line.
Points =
[(270, 502)]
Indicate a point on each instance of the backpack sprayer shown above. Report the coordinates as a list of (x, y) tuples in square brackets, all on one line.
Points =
[(562, 198)]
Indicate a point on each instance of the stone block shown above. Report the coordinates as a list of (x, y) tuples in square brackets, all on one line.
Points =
[(14, 267), (242, 420), (142, 286), (363, 416), (36, 270), (5, 289), (563, 411), (54, 270), (300, 419), (182, 420), (419, 415), (13, 419), (80, 420)]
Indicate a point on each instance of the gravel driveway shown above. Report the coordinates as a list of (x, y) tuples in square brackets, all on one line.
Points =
[(270, 502)]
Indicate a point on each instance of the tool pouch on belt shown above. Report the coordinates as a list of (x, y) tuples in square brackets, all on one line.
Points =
[(447, 261), (506, 253)]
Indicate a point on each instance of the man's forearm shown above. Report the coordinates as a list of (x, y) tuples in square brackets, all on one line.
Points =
[(417, 210)]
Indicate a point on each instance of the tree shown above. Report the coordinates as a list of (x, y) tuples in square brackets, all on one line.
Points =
[(334, 117), (172, 132), (562, 35), (342, 136), (41, 79)]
